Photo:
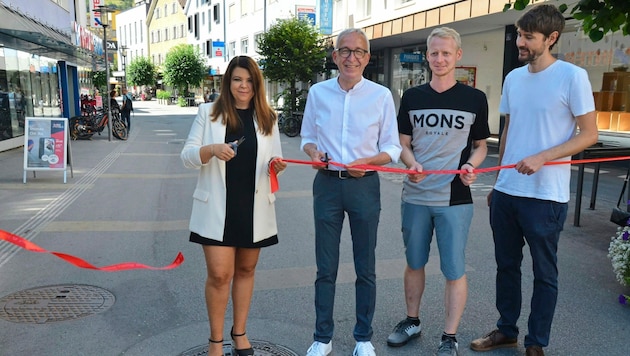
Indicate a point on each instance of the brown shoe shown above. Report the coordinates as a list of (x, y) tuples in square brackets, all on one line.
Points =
[(493, 340), (534, 351)]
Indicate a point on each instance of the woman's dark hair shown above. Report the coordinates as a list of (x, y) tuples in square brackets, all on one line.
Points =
[(543, 18), (225, 105)]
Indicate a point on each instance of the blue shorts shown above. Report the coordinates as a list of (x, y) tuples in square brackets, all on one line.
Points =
[(451, 225)]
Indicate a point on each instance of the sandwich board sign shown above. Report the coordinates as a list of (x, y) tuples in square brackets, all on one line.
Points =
[(46, 145)]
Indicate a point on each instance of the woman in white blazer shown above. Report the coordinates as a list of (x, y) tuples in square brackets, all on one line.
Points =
[(232, 142)]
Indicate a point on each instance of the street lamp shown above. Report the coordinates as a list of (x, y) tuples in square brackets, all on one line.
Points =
[(104, 11), (123, 54)]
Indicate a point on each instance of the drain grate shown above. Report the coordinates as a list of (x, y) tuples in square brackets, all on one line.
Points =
[(261, 348), (55, 303)]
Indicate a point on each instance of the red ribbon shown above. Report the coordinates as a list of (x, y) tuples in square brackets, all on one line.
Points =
[(275, 186), (78, 262)]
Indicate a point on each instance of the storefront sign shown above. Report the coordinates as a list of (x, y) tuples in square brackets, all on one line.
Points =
[(306, 13), (45, 144), (218, 47), (85, 39), (411, 58)]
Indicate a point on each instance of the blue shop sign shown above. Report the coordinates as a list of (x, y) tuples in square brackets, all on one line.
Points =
[(411, 58)]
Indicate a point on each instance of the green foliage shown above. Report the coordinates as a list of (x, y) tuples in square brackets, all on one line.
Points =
[(598, 16), (299, 101), (163, 94), (292, 50), (99, 80), (141, 71), (181, 101), (183, 67)]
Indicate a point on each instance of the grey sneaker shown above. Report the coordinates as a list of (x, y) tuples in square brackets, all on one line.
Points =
[(403, 332), (448, 347)]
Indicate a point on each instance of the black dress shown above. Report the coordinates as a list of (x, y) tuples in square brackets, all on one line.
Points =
[(240, 182)]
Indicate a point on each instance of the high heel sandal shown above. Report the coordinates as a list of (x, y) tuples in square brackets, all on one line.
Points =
[(241, 352)]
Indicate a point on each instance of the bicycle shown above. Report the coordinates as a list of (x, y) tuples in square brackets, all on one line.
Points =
[(293, 124), (281, 121)]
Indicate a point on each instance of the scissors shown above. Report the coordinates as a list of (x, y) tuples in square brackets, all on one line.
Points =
[(325, 159), (235, 145)]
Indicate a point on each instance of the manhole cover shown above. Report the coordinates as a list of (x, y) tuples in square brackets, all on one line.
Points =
[(54, 303), (261, 348)]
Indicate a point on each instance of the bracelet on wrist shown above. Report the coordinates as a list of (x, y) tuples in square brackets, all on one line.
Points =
[(470, 164)]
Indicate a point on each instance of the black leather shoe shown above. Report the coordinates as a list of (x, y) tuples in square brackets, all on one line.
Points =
[(240, 352), (534, 350)]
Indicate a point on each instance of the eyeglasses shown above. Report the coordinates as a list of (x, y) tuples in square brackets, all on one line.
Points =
[(345, 52)]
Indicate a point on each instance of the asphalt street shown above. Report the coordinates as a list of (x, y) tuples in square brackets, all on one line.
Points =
[(130, 201)]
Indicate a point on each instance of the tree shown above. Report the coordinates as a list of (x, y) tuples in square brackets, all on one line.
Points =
[(99, 80), (184, 67), (141, 71), (292, 50), (598, 16)]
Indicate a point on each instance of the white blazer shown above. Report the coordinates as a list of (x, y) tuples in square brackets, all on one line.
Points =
[(208, 211)]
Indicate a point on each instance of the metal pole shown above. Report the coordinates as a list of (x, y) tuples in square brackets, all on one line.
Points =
[(109, 109), (124, 66)]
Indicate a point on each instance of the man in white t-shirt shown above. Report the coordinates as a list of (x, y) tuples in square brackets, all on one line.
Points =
[(543, 102)]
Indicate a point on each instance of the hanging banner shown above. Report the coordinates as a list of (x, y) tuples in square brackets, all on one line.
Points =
[(94, 5), (45, 144), (325, 17)]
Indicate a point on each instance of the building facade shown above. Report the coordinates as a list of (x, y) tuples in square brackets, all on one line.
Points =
[(166, 23), (133, 39), (222, 29), (40, 62)]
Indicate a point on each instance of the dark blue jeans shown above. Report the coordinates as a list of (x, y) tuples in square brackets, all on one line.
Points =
[(514, 221), (361, 200), (126, 117)]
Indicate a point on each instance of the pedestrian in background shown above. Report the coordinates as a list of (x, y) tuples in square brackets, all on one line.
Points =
[(127, 107), (113, 103), (543, 102), (233, 142), (443, 125), (350, 120), (213, 95)]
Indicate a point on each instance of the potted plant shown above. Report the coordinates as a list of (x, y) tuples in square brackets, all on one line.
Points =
[(619, 254)]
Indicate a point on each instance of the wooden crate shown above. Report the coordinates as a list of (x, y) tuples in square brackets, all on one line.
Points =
[(616, 81), (604, 120), (623, 119), (605, 101), (619, 101)]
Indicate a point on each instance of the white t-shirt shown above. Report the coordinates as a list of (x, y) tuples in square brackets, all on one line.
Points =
[(542, 108)]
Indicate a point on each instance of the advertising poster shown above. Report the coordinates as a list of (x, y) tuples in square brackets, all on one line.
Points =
[(45, 143), (466, 75)]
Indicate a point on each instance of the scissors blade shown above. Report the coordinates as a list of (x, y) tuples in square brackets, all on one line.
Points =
[(240, 140)]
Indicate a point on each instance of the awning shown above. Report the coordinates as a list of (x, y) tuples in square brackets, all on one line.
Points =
[(21, 32)]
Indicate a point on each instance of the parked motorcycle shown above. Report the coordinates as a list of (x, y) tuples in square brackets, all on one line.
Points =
[(94, 120)]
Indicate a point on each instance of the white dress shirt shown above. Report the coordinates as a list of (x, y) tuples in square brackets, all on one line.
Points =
[(353, 124)]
